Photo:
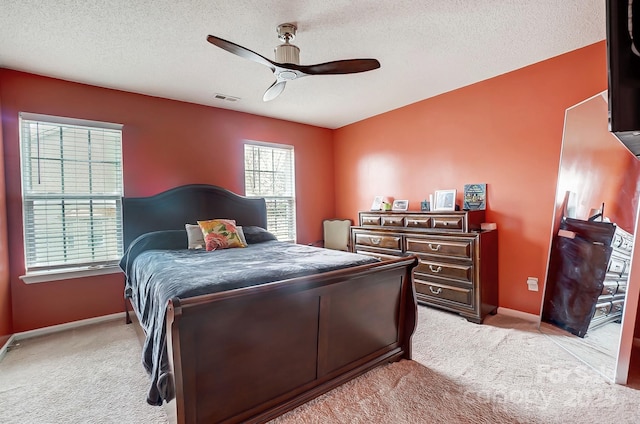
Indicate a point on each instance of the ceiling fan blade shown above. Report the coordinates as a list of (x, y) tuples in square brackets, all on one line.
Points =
[(239, 50), (350, 66), (274, 91)]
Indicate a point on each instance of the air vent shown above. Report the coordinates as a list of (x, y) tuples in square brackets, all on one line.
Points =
[(219, 96)]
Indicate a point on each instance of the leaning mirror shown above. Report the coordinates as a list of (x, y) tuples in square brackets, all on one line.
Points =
[(591, 243)]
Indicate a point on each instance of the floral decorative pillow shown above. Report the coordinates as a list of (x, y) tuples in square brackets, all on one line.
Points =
[(220, 234)]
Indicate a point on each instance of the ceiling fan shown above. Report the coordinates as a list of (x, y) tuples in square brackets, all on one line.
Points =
[(287, 65)]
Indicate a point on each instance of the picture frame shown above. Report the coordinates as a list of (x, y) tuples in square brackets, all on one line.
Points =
[(474, 197), (400, 205), (377, 203), (444, 200)]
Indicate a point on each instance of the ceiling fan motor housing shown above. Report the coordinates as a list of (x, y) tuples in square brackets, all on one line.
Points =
[(287, 53)]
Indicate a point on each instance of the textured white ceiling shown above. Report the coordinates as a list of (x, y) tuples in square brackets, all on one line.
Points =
[(159, 47)]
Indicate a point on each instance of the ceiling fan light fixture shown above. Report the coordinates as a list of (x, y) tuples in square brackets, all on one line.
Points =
[(287, 75)]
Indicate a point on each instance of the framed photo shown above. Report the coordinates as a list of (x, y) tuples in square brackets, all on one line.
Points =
[(377, 203), (400, 205), (444, 200)]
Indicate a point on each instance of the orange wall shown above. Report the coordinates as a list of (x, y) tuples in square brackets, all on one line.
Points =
[(165, 144), (505, 131), (6, 322)]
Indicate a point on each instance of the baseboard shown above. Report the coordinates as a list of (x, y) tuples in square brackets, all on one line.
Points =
[(66, 326), (518, 314), (5, 348)]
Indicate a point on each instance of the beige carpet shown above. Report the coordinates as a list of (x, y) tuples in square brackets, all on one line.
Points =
[(88, 375), (504, 371), (599, 348)]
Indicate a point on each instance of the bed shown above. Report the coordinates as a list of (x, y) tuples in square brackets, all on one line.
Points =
[(257, 343)]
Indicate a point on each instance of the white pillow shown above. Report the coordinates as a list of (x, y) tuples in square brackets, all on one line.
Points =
[(196, 238), (241, 235)]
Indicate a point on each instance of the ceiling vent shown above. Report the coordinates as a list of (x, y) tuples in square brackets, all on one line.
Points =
[(219, 96)]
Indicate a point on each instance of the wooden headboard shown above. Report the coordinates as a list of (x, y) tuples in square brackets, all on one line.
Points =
[(171, 209)]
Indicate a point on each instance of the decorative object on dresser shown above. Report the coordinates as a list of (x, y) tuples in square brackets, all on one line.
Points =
[(445, 200), (458, 263), (588, 271), (377, 203), (400, 205), (474, 197)]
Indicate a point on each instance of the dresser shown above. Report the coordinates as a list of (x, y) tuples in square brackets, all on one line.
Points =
[(610, 303), (458, 263), (588, 272)]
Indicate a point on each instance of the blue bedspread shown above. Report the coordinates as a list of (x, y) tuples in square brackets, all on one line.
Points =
[(155, 276)]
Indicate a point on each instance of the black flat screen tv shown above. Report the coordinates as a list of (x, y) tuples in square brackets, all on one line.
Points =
[(623, 62)]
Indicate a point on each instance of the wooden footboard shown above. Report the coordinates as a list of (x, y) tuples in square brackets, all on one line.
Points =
[(251, 354)]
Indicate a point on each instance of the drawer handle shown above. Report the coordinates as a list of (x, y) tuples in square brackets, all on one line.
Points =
[(436, 248), (375, 240), (435, 269), (438, 291)]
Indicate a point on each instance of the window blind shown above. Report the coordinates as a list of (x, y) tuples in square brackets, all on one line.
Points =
[(269, 173), (71, 191)]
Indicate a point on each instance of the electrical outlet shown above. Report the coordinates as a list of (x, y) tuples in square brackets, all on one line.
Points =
[(532, 283)]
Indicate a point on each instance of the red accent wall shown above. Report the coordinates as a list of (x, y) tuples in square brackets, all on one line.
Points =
[(6, 321), (165, 144), (505, 131)]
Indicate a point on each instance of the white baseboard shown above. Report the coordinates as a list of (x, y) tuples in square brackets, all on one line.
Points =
[(4, 349), (518, 314), (67, 326)]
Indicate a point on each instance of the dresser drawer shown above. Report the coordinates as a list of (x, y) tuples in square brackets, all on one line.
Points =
[(448, 222), (370, 220), (437, 246), (616, 265), (622, 287), (392, 221), (609, 288), (376, 254), (417, 222), (602, 309), (378, 240), (616, 307), (460, 272), (460, 295)]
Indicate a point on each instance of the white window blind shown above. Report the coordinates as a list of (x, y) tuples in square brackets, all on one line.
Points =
[(269, 173), (71, 192)]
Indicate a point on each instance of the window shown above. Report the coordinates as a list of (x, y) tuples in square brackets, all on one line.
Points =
[(71, 192), (269, 173)]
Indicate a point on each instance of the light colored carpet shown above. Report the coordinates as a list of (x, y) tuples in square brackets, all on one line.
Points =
[(504, 371), (599, 347), (92, 374)]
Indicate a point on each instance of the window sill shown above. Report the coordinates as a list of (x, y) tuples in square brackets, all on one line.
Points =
[(45, 276)]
